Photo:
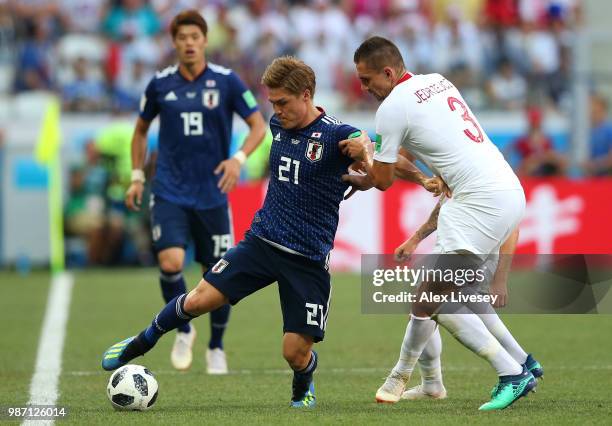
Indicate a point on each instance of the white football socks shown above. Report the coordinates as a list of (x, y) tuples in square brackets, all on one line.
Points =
[(498, 329), (470, 331), (430, 365), (418, 333)]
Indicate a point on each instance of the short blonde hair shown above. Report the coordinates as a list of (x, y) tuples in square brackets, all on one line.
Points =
[(291, 74)]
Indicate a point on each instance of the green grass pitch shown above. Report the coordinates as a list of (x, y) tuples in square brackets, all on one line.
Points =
[(357, 353)]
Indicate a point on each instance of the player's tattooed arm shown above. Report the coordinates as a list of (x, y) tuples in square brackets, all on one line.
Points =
[(430, 226), (405, 250)]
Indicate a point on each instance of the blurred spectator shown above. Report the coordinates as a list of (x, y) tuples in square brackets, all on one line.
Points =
[(7, 47), (501, 13), (130, 85), (28, 13), (535, 149), (540, 11), (136, 63), (464, 39), (457, 45), (131, 19), (414, 42), (34, 62), (600, 161), (168, 9), (542, 60), (378, 10), (82, 16), (84, 215), (84, 93), (471, 10), (219, 32), (507, 89), (322, 55), (95, 211)]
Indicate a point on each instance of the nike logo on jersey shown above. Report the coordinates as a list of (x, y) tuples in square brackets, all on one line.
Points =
[(170, 96), (277, 137)]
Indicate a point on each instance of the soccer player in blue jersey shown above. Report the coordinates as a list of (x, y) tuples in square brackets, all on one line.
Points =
[(290, 237), (195, 101)]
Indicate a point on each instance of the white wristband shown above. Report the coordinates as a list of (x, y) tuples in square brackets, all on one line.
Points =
[(138, 176), (240, 156)]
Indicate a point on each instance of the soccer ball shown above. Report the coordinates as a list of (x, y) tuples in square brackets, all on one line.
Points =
[(132, 387)]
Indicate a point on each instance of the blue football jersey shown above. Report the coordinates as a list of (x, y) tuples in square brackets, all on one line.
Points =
[(300, 211), (195, 129)]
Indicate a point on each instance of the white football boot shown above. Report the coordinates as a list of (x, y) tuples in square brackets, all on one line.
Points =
[(216, 362), (391, 391), (417, 393), (182, 355)]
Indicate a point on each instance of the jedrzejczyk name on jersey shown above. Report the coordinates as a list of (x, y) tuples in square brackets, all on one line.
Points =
[(195, 131), (427, 115), (300, 212)]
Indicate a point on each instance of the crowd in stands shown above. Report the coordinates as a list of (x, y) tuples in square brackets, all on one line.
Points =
[(100, 54)]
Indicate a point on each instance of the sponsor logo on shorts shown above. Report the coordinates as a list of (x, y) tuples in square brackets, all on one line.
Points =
[(219, 266)]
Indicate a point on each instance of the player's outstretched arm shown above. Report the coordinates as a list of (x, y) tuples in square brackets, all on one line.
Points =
[(405, 250), (231, 167), (133, 196), (500, 278)]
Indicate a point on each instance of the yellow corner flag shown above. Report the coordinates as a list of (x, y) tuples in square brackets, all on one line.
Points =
[(47, 153), (49, 136)]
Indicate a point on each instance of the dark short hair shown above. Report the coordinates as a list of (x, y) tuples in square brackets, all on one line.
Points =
[(188, 17), (377, 53)]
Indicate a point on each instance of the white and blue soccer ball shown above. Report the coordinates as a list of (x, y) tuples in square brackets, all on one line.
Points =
[(132, 387)]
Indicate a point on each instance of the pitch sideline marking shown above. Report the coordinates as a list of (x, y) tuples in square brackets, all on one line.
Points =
[(44, 384)]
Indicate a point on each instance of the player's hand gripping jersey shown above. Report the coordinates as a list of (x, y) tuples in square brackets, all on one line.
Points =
[(427, 115), (300, 212)]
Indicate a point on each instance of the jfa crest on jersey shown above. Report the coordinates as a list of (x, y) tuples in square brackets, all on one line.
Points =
[(300, 211), (210, 98), (314, 152), (195, 131)]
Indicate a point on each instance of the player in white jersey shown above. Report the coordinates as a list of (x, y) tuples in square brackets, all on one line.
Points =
[(429, 362), (427, 116)]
